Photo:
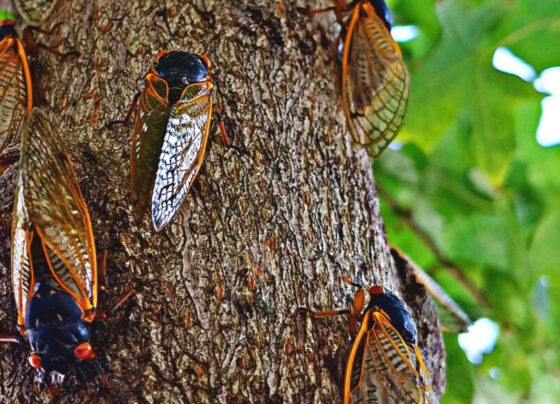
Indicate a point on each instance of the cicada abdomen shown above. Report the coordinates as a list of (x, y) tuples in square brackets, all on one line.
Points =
[(170, 133), (384, 364), (35, 12), (54, 269), (16, 91)]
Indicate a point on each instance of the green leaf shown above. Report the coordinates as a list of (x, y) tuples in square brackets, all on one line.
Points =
[(459, 374), (531, 30), (459, 80)]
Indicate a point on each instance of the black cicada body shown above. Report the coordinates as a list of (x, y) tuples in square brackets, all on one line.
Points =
[(170, 134), (54, 268)]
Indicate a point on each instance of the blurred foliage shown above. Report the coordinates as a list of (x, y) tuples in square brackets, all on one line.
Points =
[(473, 179)]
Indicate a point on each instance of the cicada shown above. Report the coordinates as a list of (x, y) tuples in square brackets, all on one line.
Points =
[(16, 94), (373, 80), (54, 267), (34, 12), (384, 364), (170, 133)]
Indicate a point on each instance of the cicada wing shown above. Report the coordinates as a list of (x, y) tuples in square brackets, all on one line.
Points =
[(182, 151), (149, 130), (15, 90), (34, 12), (22, 273), (382, 368), (359, 383), (375, 80), (57, 211), (403, 374)]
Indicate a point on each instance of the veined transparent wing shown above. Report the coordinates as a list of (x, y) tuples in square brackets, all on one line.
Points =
[(15, 90), (375, 81), (22, 274), (382, 368), (147, 140), (182, 151), (56, 210)]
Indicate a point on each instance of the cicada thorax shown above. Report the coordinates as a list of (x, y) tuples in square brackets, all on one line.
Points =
[(179, 70), (16, 90), (170, 134), (392, 308)]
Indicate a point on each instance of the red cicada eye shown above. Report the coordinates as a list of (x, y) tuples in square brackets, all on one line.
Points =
[(35, 361), (7, 21), (376, 290), (84, 351)]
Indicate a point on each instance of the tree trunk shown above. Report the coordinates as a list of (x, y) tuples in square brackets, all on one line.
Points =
[(265, 229)]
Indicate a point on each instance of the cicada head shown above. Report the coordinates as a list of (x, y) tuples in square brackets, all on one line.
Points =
[(58, 336), (382, 299), (179, 69), (7, 29)]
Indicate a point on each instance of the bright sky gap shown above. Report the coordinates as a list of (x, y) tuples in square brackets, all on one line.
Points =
[(548, 131), (404, 33), (480, 339)]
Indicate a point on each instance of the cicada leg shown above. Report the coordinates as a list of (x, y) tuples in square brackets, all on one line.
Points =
[(99, 314), (322, 314), (132, 107), (339, 9), (314, 12), (101, 374), (129, 113), (123, 299), (33, 46), (218, 112)]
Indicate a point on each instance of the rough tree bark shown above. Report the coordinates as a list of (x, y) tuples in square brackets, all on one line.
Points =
[(214, 315)]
